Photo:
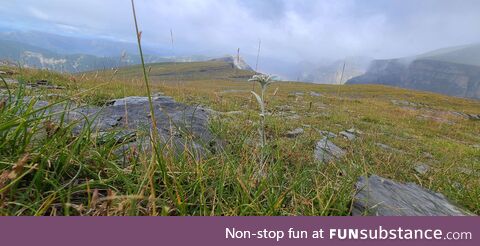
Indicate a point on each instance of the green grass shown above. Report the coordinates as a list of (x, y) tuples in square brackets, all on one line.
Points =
[(66, 174)]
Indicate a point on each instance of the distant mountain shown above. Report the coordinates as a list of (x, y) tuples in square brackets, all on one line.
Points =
[(74, 45), (466, 54), (36, 57), (452, 71), (71, 54)]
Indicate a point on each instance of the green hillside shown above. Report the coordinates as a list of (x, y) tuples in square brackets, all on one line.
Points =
[(190, 71), (396, 129)]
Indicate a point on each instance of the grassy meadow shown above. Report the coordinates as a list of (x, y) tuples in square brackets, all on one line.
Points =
[(47, 170)]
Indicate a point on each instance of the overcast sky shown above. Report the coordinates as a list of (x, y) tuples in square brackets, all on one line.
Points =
[(289, 29)]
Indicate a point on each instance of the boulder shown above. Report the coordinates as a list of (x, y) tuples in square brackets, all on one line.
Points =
[(180, 125), (378, 196)]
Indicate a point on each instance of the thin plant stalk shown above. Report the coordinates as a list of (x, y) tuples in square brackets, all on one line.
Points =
[(154, 132), (256, 63), (264, 81)]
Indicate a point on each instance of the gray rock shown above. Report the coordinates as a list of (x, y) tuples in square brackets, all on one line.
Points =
[(295, 133), (383, 197), (326, 151), (315, 94), (348, 135), (421, 168), (468, 171), (328, 134), (297, 93), (178, 124), (293, 117), (10, 81), (474, 116), (427, 155), (466, 116), (284, 108), (354, 131), (403, 103), (388, 148)]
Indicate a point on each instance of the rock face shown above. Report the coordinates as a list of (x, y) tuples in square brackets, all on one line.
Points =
[(237, 62), (383, 197), (460, 80), (326, 151)]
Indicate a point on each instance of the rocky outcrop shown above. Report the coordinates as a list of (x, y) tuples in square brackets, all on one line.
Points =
[(443, 77), (236, 62), (384, 197)]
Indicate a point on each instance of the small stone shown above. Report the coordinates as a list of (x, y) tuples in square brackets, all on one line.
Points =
[(383, 146), (326, 151), (295, 133), (348, 135), (293, 117), (457, 185), (297, 93), (354, 131), (284, 108), (388, 148), (314, 94), (427, 155), (403, 103), (422, 168), (328, 134)]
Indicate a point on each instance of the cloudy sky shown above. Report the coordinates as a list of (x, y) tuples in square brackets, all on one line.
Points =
[(293, 30)]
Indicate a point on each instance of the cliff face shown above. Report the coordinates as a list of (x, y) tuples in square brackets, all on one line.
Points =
[(448, 78)]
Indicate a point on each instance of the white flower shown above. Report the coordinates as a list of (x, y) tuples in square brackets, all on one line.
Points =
[(263, 79)]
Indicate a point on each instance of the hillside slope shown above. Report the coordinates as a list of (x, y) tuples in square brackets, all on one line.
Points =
[(403, 135)]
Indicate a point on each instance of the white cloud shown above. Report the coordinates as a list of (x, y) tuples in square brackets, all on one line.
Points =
[(290, 30)]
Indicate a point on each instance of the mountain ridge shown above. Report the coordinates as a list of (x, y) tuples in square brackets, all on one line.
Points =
[(453, 71)]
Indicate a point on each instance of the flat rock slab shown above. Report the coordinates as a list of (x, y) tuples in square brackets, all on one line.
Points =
[(326, 151), (183, 126), (378, 196)]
